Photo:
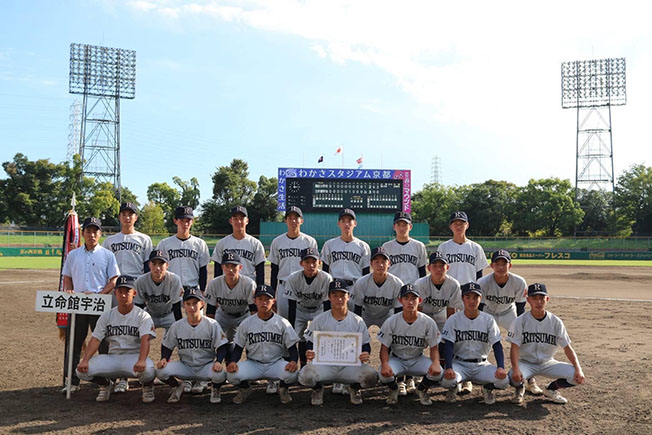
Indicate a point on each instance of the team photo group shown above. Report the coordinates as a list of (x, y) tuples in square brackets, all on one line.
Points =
[(240, 328)]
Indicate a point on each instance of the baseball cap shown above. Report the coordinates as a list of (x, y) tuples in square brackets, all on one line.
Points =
[(403, 216), (338, 285), (379, 251), (293, 209), (264, 289), (183, 212), (92, 222), (346, 212), (159, 254), (458, 216), (471, 287), (125, 281), (239, 209), (537, 289), (309, 253), (192, 292), (130, 206), (230, 258), (501, 253), (437, 256), (410, 288)]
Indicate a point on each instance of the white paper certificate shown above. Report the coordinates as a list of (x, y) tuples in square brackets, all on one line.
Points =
[(337, 348)]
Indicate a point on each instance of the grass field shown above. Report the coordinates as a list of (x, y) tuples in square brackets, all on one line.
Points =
[(30, 262)]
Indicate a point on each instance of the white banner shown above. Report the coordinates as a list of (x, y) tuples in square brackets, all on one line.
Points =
[(80, 303)]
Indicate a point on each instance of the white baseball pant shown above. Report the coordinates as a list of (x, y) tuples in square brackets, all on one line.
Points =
[(413, 367), (114, 366), (480, 373), (188, 373), (551, 369), (364, 374), (250, 370)]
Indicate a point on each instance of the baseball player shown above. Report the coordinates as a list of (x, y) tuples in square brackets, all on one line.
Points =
[(249, 249), (88, 269), (468, 335), (201, 345), (128, 330), (338, 318), (307, 295), (376, 295), (466, 259), (285, 255), (439, 291), (407, 256), (534, 337), (406, 334), (268, 338)]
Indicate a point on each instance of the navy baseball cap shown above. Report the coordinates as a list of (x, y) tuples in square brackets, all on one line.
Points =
[(379, 251), (264, 289), (92, 222), (501, 253), (403, 216), (125, 281), (239, 209), (309, 253), (346, 212), (128, 206), (192, 292), (410, 288), (230, 258), (437, 256), (471, 287), (293, 209), (537, 289), (159, 254), (183, 212), (458, 216), (338, 285)]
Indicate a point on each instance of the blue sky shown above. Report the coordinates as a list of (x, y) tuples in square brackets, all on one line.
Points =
[(279, 83)]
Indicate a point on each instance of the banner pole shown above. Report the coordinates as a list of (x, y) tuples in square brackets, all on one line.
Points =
[(71, 343)]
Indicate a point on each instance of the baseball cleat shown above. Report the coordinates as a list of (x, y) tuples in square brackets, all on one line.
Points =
[(187, 386), (402, 389), (467, 387), (105, 392), (424, 397), (533, 388), (121, 386), (518, 395), (555, 396), (198, 387), (73, 389), (175, 394), (215, 394), (317, 397), (355, 396), (242, 395), (148, 394), (284, 394), (272, 387), (410, 387), (392, 399), (489, 396), (339, 389), (451, 395)]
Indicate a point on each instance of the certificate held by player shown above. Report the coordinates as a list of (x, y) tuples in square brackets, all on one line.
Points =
[(337, 348)]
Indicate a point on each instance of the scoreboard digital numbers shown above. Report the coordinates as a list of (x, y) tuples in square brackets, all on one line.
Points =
[(333, 189)]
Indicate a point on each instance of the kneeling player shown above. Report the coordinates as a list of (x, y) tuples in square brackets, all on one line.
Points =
[(468, 335), (127, 330), (534, 337), (201, 345), (268, 338), (406, 334), (338, 319)]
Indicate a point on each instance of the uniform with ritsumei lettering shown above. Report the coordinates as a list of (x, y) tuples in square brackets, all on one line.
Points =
[(378, 302), (233, 304), (131, 251), (159, 298), (310, 294), (437, 298), (186, 258), (122, 332), (465, 260), (197, 346), (500, 301), (406, 342), (250, 250), (345, 260), (406, 259), (472, 340), (266, 343)]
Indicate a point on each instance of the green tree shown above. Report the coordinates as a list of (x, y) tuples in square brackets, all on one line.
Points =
[(489, 206), (189, 191), (633, 199), (263, 204), (152, 219), (434, 204), (167, 198)]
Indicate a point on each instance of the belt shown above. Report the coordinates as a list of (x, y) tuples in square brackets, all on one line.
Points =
[(236, 314), (281, 281), (471, 360), (309, 308)]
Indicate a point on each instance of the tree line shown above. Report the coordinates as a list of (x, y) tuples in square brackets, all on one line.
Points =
[(37, 194)]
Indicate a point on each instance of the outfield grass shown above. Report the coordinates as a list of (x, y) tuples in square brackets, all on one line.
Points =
[(30, 262)]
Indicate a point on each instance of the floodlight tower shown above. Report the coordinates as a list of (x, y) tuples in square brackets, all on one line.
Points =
[(592, 87), (435, 175), (103, 76), (74, 129)]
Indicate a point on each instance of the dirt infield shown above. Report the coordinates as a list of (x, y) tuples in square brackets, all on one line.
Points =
[(611, 336)]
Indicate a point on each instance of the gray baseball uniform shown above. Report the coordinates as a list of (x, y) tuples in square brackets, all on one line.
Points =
[(436, 300), (465, 260), (131, 251), (250, 250), (406, 259), (377, 301), (346, 260), (186, 257), (309, 297), (500, 301), (159, 298), (233, 303)]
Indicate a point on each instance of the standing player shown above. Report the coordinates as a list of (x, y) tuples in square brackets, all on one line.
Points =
[(406, 334), (285, 255), (466, 259), (407, 256), (468, 336), (338, 319), (88, 269), (504, 297), (268, 338), (440, 291), (535, 336), (249, 249), (307, 296), (128, 330), (202, 347)]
